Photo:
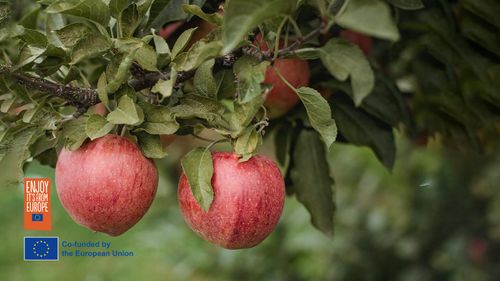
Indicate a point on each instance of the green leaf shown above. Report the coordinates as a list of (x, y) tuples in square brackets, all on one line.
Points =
[(193, 106), (90, 47), (485, 9), (127, 113), (130, 19), (28, 55), (14, 152), (164, 11), (407, 4), (73, 133), (42, 144), (372, 17), (30, 18), (241, 16), (143, 6), (54, 57), (144, 54), (386, 102), (5, 11), (151, 146), (243, 114), (319, 114), (72, 33), (146, 57), (480, 33), (163, 51), (200, 52), (334, 8), (250, 73), (226, 88), (167, 128), (283, 143), (246, 145), (344, 59), (97, 126), (121, 74), (164, 87), (198, 168), (102, 85), (360, 128), (30, 115), (94, 10), (7, 105), (312, 182), (182, 41), (116, 7), (214, 18), (159, 120), (204, 81), (34, 37), (161, 45)]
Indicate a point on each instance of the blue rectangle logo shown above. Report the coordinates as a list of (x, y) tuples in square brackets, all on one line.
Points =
[(42, 248), (36, 217)]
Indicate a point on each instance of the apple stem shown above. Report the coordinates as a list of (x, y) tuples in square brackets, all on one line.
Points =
[(216, 142), (202, 138)]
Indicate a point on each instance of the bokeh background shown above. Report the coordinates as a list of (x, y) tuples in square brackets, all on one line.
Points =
[(436, 216)]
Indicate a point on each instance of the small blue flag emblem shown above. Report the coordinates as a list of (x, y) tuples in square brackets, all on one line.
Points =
[(42, 248)]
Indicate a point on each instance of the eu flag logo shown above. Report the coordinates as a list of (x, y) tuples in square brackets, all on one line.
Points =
[(41, 248)]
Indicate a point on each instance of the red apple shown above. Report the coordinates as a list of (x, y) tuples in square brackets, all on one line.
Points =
[(280, 99), (170, 29), (107, 185), (363, 41), (100, 109), (248, 201)]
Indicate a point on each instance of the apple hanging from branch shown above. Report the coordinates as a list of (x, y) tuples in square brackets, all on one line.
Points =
[(107, 185), (247, 202)]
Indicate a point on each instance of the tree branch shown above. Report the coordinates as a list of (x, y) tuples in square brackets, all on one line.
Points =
[(83, 98)]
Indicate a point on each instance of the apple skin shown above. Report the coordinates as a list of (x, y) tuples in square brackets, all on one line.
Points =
[(248, 202), (363, 41), (170, 29), (100, 109), (280, 99), (107, 185)]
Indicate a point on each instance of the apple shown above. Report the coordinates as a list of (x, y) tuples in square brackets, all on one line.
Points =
[(100, 109), (363, 41), (107, 185), (280, 99), (170, 29), (247, 204)]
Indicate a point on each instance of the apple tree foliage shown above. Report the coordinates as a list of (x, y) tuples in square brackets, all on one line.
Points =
[(59, 58)]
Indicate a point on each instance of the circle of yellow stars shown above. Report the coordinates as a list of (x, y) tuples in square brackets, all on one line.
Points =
[(42, 254)]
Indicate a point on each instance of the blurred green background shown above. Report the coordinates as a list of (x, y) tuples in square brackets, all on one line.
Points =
[(436, 216)]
